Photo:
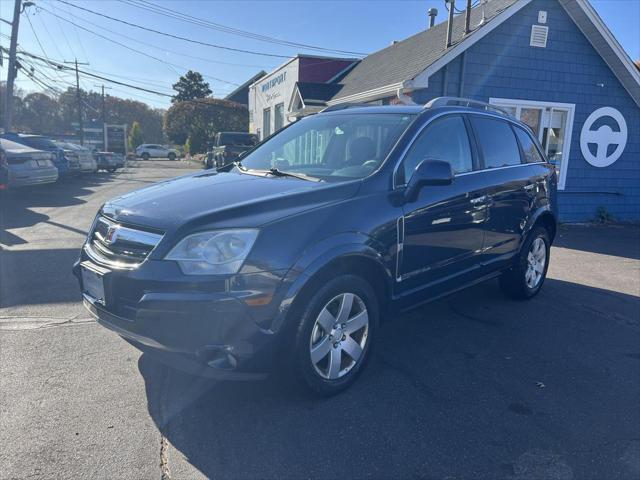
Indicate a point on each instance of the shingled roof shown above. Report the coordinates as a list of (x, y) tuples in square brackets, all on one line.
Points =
[(404, 60)]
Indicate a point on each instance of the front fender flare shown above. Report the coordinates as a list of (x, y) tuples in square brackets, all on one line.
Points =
[(321, 254)]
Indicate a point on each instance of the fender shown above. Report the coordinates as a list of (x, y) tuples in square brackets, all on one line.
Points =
[(533, 218), (322, 253)]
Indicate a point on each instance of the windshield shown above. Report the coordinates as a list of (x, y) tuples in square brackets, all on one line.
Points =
[(39, 142), (238, 139), (331, 147)]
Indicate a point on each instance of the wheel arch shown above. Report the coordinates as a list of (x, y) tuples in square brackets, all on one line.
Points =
[(543, 217), (353, 259)]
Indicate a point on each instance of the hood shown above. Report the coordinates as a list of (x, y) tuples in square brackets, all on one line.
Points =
[(226, 199)]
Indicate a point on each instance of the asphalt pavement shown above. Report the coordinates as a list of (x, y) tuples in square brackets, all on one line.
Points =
[(473, 386)]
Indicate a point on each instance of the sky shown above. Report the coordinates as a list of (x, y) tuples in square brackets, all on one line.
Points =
[(354, 26)]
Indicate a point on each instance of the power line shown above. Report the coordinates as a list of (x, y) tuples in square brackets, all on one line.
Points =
[(170, 65), (93, 75), (203, 59), (167, 12), (177, 37), (38, 40)]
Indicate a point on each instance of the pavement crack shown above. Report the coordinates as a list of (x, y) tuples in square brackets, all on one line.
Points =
[(165, 474), (39, 323)]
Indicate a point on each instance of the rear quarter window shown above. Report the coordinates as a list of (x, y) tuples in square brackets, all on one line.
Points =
[(530, 152), (496, 141)]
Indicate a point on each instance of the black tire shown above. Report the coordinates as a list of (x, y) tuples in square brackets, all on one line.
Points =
[(513, 282), (111, 169), (303, 368), (145, 156), (171, 156)]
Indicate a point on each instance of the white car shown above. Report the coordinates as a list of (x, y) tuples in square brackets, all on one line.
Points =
[(152, 150)]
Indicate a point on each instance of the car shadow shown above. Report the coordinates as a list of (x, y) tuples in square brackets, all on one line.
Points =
[(616, 240), (467, 386), (42, 276), (16, 206)]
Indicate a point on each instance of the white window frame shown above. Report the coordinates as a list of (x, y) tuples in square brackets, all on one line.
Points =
[(571, 109)]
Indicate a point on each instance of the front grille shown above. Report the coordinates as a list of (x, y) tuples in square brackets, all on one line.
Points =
[(119, 245)]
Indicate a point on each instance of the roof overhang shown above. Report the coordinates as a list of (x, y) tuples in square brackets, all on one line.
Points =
[(580, 11), (369, 95)]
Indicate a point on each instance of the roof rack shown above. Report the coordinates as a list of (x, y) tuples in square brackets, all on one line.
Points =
[(466, 102), (344, 106)]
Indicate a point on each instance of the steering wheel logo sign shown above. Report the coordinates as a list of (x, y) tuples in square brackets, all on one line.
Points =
[(603, 137)]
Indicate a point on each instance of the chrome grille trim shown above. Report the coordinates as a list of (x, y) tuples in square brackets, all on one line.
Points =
[(119, 246)]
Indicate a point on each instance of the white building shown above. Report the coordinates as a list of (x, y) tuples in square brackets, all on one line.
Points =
[(276, 96)]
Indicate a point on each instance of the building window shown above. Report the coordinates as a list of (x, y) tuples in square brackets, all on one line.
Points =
[(551, 122), (266, 123), (278, 117)]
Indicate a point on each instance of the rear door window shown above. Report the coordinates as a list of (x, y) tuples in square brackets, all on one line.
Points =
[(497, 142), (529, 150)]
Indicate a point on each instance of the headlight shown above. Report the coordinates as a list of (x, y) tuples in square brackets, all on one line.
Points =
[(213, 253)]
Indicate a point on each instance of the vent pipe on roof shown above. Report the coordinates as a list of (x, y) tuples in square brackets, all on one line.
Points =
[(433, 13), (467, 19), (452, 7)]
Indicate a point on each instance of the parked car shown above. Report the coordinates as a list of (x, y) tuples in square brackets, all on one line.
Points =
[(80, 158), (22, 166), (109, 161), (152, 150), (228, 146), (286, 261), (42, 143)]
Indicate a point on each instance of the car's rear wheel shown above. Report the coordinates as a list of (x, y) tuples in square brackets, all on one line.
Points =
[(334, 334), (526, 277), (171, 156), (145, 156)]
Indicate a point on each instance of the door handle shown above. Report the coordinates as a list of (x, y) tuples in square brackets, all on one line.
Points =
[(530, 187), (478, 200)]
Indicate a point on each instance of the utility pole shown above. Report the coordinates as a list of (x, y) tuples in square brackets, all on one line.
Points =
[(104, 115), (104, 107), (79, 98), (18, 8)]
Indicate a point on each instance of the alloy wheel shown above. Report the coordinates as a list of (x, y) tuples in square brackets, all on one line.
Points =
[(339, 336), (536, 262)]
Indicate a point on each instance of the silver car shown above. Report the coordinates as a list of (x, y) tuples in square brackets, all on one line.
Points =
[(81, 156), (24, 165)]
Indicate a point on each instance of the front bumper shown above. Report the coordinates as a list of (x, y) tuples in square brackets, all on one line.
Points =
[(212, 328)]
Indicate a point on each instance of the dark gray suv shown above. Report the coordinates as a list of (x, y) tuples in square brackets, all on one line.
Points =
[(291, 258)]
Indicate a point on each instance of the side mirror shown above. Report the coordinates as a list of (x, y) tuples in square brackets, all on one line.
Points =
[(428, 172)]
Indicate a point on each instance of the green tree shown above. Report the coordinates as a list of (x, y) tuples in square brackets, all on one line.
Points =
[(190, 86), (135, 136), (201, 120)]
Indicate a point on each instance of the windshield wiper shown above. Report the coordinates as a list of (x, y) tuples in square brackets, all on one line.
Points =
[(279, 173), (227, 167)]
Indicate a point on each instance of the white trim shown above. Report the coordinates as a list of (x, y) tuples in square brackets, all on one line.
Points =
[(422, 79), (374, 94), (296, 92), (570, 107), (593, 16)]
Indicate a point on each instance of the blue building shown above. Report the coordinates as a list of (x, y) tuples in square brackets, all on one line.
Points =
[(552, 63)]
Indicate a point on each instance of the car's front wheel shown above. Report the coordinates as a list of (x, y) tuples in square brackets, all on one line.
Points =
[(526, 277), (334, 335), (171, 156)]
